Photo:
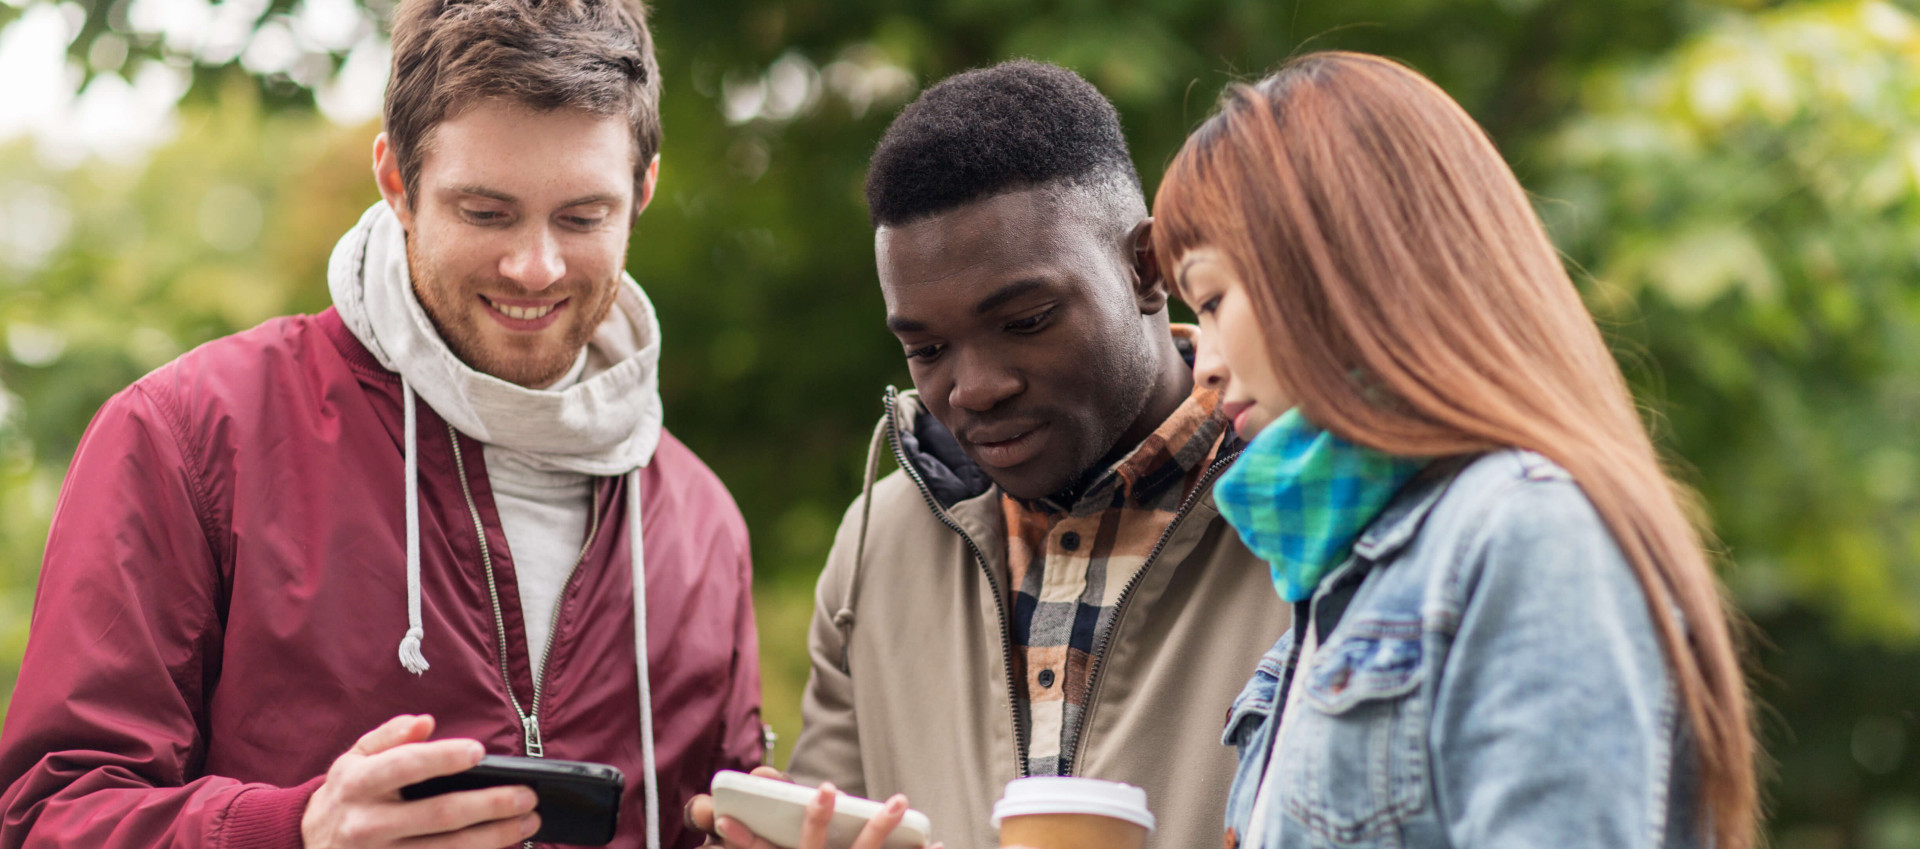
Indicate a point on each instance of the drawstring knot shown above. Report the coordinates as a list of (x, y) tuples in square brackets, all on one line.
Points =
[(410, 656)]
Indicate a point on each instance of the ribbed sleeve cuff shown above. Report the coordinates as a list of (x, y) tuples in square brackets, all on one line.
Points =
[(267, 817)]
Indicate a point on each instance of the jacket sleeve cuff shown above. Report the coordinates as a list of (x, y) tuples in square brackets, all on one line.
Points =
[(267, 817)]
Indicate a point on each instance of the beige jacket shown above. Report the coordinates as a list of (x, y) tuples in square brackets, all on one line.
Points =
[(911, 642)]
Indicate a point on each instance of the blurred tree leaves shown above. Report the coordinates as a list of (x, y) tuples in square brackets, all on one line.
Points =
[(1747, 206), (1737, 185), (1751, 201), (225, 227)]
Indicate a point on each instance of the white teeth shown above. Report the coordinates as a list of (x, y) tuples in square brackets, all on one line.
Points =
[(522, 313)]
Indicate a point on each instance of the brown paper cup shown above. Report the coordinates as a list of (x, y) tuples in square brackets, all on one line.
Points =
[(1072, 831), (1063, 812)]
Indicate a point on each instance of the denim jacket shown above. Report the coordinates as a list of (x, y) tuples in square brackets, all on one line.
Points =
[(1494, 682)]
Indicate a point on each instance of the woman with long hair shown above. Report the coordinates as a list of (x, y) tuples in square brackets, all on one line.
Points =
[(1508, 633)]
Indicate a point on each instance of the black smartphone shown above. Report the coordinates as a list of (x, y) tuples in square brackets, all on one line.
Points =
[(579, 801)]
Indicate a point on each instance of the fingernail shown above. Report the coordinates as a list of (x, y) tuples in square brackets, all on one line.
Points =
[(896, 804), (828, 787), (529, 824), (475, 751), (527, 799), (730, 830)]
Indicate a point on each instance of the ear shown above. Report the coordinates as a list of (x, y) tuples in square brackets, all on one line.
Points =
[(386, 175), (646, 187), (1149, 287)]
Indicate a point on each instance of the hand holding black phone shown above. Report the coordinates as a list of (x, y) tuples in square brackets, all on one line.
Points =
[(579, 801)]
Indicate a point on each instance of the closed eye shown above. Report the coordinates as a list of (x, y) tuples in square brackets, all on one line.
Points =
[(925, 353)]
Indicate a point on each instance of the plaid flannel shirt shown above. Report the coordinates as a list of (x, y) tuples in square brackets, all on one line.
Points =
[(1070, 564)]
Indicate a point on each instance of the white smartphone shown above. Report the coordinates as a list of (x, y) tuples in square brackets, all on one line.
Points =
[(773, 809)]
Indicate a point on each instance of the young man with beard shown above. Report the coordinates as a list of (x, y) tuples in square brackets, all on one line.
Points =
[(306, 565), (1033, 592)]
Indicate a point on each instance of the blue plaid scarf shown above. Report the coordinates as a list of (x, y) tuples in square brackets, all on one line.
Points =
[(1299, 496)]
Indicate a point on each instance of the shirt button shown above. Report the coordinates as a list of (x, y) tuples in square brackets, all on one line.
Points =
[(1070, 540), (1046, 678)]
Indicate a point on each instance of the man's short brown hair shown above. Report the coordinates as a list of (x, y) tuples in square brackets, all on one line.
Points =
[(593, 55)]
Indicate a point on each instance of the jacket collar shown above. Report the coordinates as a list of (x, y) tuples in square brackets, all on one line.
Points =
[(935, 454), (1397, 524)]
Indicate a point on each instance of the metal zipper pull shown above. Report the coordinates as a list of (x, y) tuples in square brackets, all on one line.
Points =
[(532, 726)]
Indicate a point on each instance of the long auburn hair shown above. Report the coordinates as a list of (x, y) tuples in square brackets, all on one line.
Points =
[(1379, 232)]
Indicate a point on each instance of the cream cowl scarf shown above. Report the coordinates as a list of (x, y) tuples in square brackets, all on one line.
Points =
[(605, 424)]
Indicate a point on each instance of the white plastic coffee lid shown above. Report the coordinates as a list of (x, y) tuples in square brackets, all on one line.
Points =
[(1051, 794)]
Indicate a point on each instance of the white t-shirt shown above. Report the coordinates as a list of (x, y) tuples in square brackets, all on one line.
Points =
[(544, 515)]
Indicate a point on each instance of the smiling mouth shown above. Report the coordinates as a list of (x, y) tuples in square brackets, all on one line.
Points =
[(521, 313)]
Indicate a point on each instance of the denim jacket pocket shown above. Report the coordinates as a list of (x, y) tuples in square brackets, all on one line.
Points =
[(1354, 762)]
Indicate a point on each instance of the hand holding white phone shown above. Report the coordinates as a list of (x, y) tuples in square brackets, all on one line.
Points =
[(776, 812)]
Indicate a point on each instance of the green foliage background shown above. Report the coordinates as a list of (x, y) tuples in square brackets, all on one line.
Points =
[(1735, 184)]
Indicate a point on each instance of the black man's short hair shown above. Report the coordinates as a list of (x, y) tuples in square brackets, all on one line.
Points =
[(989, 131)]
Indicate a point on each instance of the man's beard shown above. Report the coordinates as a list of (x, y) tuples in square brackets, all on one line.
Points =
[(456, 318)]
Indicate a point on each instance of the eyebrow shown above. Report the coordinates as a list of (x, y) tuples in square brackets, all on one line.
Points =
[(986, 305), (1007, 293), (483, 191)]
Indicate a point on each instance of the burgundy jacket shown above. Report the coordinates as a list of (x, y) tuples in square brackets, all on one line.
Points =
[(224, 592)]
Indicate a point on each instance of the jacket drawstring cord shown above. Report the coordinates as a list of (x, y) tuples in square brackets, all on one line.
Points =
[(843, 618), (410, 656), (637, 547)]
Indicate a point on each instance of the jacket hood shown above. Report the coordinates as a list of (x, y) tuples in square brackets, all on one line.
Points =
[(606, 423), (951, 476)]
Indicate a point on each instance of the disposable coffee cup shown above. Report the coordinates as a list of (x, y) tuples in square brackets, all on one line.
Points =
[(1059, 812)]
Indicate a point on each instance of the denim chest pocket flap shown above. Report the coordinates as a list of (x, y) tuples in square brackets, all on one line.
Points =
[(1354, 763), (1377, 659)]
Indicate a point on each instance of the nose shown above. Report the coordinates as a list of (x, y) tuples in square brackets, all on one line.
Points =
[(533, 261), (1209, 368), (980, 384)]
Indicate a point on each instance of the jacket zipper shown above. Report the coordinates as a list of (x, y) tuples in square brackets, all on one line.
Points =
[(993, 582), (529, 718), (1098, 658)]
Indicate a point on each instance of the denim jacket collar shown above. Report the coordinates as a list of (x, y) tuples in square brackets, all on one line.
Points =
[(1396, 525)]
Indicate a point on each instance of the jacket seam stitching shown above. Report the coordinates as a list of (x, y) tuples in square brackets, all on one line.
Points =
[(199, 493), (197, 489), (1657, 823), (1464, 558), (218, 831)]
